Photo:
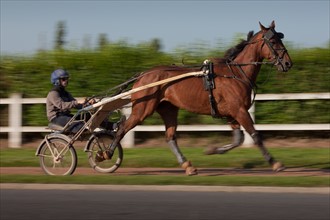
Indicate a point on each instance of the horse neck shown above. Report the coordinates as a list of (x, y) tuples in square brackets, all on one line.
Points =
[(250, 54)]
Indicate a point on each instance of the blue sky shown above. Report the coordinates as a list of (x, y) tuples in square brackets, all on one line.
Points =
[(27, 26)]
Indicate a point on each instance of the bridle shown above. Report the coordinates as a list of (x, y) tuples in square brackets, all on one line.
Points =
[(266, 38), (275, 52)]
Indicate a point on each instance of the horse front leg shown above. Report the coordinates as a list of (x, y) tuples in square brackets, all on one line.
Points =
[(276, 165), (246, 121), (238, 138)]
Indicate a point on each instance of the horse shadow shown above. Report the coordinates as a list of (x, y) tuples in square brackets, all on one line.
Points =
[(326, 166), (249, 168)]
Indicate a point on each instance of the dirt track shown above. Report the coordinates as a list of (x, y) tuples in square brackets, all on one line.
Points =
[(122, 171), (177, 171)]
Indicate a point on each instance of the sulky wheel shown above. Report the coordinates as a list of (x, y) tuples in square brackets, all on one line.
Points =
[(97, 149), (56, 156)]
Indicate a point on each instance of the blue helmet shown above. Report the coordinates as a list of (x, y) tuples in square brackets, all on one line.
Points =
[(57, 74)]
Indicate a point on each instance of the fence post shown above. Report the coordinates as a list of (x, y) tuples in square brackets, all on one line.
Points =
[(248, 141), (15, 121), (128, 140)]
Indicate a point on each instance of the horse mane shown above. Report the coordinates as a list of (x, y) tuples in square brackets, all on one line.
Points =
[(231, 53)]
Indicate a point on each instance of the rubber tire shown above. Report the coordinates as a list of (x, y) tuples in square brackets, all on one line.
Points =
[(103, 140), (58, 141)]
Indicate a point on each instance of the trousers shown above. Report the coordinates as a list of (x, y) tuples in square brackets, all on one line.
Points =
[(62, 120)]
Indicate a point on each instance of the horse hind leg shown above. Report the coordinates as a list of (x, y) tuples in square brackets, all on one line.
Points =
[(119, 135), (169, 114), (185, 164), (139, 113), (238, 138)]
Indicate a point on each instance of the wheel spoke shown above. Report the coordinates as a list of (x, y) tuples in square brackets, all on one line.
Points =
[(56, 158), (97, 146)]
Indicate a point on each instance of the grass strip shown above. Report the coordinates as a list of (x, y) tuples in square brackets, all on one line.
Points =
[(163, 157), (300, 181)]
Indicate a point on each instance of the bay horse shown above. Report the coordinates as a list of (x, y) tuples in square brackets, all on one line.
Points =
[(234, 81)]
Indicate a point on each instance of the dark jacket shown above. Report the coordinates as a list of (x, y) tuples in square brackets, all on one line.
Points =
[(59, 102)]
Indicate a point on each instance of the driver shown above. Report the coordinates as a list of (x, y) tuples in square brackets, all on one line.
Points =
[(59, 102)]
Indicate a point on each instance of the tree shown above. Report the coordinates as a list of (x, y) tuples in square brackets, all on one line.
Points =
[(102, 41), (60, 35), (156, 44)]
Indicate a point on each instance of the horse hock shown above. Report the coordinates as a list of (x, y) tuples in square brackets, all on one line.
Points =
[(238, 138), (190, 170)]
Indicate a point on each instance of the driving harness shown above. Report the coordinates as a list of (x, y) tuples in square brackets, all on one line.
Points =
[(209, 85)]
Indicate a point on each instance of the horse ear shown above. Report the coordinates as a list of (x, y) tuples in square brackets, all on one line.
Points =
[(262, 27), (272, 25)]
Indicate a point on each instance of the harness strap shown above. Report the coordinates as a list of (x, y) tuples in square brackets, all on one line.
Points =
[(209, 85), (247, 81)]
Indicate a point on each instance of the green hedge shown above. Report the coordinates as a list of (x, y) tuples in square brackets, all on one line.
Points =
[(95, 71)]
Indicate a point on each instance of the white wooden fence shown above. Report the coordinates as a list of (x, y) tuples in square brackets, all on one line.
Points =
[(15, 128)]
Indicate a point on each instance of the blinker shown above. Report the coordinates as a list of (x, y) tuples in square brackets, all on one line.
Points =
[(280, 35), (271, 32)]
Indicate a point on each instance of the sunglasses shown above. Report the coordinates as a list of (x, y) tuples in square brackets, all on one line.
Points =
[(64, 79)]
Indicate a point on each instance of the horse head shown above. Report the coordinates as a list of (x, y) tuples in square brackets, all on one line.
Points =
[(273, 48)]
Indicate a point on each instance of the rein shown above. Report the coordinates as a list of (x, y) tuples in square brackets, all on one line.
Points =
[(250, 63), (117, 89), (244, 78), (247, 81)]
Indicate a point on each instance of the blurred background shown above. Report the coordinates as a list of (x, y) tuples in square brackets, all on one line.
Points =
[(104, 43)]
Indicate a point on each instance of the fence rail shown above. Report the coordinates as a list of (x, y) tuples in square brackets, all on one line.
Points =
[(15, 128)]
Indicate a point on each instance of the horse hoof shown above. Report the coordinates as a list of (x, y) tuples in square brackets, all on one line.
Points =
[(215, 150), (107, 155), (278, 166), (210, 151), (190, 170), (220, 150)]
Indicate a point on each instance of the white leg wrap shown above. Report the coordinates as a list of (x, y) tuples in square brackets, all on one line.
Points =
[(175, 149)]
